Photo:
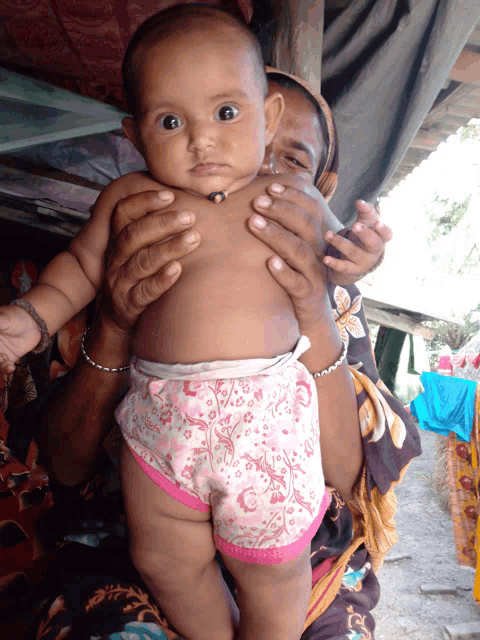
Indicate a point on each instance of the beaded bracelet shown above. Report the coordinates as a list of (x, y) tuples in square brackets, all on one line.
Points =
[(333, 366), (99, 366), (45, 339)]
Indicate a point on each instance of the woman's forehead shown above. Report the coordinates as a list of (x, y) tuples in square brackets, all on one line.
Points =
[(300, 119)]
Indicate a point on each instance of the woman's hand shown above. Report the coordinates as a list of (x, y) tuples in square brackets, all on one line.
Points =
[(294, 233), (294, 229), (147, 243), (305, 214), (142, 261)]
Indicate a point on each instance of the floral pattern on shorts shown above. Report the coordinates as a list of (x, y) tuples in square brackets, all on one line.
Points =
[(247, 447)]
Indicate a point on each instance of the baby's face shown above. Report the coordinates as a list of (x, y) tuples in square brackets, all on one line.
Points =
[(201, 121)]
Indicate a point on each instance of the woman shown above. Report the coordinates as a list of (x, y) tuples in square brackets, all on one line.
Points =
[(366, 446)]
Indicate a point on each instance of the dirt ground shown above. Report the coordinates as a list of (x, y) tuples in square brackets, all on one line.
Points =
[(425, 534)]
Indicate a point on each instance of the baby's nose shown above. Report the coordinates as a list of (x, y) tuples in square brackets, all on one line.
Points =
[(201, 137)]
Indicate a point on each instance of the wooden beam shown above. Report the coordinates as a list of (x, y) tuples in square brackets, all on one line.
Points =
[(394, 321), (48, 172), (467, 68), (58, 227), (298, 47)]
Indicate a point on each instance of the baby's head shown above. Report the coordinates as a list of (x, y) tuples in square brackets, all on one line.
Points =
[(196, 86)]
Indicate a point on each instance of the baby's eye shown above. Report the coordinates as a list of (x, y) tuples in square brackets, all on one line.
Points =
[(227, 112), (170, 122)]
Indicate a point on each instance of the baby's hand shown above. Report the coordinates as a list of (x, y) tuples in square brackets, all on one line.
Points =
[(19, 334), (362, 253)]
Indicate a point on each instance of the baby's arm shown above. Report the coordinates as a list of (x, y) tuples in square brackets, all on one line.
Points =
[(349, 255), (68, 283)]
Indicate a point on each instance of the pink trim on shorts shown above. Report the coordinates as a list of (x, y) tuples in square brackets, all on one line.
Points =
[(275, 555), (169, 487)]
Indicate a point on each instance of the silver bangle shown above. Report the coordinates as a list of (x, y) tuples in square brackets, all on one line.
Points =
[(333, 366), (99, 366)]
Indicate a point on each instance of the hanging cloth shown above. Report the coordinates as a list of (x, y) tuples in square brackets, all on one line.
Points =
[(447, 404)]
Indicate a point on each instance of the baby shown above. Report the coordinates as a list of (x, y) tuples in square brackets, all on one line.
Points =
[(220, 422)]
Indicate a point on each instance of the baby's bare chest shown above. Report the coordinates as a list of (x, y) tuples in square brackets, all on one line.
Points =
[(224, 232)]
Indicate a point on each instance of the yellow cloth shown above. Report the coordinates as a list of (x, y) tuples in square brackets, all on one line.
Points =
[(463, 479), (373, 516)]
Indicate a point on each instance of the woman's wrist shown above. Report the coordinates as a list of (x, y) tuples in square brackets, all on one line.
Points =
[(325, 340), (107, 344), (324, 351)]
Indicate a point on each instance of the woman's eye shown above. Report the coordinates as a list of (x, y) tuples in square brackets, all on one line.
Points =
[(227, 112), (170, 122), (295, 161)]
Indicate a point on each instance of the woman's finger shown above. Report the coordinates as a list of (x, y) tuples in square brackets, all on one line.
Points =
[(307, 293), (383, 231), (294, 283), (294, 210), (150, 289), (294, 250), (149, 230), (150, 260), (131, 298), (135, 206), (123, 283), (306, 198)]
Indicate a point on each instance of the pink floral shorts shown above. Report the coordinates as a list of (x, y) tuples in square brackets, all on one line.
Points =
[(246, 449)]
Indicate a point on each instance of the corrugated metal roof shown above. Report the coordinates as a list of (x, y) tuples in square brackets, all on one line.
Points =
[(457, 103)]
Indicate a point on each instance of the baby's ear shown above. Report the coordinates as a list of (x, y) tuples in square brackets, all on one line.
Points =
[(274, 106), (130, 131)]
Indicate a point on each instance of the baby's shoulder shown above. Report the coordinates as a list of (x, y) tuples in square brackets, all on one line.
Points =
[(120, 188), (131, 184)]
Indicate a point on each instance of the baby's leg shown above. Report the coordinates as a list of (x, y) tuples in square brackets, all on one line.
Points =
[(172, 548), (273, 599)]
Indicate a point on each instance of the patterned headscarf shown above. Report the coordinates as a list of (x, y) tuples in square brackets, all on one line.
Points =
[(327, 181)]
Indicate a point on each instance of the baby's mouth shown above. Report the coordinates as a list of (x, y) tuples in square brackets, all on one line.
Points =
[(207, 168)]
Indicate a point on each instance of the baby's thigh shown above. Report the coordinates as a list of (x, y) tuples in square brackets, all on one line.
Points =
[(163, 533), (273, 599), (259, 577)]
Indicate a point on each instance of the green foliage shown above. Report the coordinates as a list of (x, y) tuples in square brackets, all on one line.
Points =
[(471, 261), (455, 336), (470, 132), (446, 215)]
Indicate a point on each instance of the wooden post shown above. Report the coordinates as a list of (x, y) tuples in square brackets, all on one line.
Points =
[(298, 47)]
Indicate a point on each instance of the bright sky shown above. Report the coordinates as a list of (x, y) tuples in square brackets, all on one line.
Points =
[(408, 275)]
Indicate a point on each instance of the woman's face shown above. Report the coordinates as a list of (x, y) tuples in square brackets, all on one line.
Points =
[(299, 144)]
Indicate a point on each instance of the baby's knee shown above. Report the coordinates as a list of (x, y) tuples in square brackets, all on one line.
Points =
[(164, 570)]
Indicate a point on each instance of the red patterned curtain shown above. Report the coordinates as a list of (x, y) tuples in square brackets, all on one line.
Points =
[(79, 44)]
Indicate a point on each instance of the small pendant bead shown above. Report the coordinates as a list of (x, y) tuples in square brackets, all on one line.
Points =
[(217, 196)]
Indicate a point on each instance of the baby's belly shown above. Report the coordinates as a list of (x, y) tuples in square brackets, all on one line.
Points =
[(218, 310)]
